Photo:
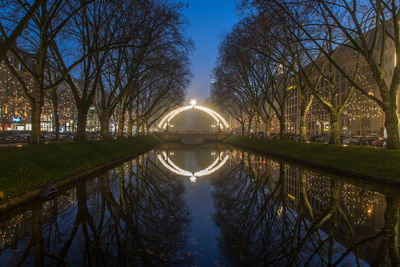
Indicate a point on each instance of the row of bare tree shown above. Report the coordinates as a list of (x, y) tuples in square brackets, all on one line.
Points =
[(314, 47), (126, 58)]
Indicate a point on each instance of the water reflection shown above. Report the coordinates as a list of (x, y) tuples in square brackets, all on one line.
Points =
[(217, 164), (263, 212), (272, 213), (133, 214)]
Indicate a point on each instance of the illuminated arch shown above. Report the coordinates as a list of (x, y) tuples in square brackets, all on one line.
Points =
[(215, 166), (193, 104)]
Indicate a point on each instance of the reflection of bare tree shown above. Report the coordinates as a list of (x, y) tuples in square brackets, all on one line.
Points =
[(262, 222), (36, 239), (132, 215), (245, 210), (390, 241)]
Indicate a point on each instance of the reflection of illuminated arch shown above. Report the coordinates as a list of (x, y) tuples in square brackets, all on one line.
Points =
[(215, 166), (218, 118)]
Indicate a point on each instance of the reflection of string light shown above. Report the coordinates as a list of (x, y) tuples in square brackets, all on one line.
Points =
[(215, 166), (359, 203), (280, 211), (13, 229), (362, 208)]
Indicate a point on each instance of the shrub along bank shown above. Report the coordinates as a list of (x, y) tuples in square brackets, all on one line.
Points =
[(375, 164), (27, 167)]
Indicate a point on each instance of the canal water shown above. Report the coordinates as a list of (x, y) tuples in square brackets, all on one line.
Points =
[(206, 206)]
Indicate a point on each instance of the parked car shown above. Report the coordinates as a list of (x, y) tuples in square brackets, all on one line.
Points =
[(381, 142), (66, 136), (48, 136), (346, 141), (322, 138), (356, 140), (372, 139)]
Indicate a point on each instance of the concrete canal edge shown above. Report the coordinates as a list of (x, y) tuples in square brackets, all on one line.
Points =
[(34, 193), (334, 170)]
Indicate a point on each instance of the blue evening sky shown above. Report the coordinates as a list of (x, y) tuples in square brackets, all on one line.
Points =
[(208, 21)]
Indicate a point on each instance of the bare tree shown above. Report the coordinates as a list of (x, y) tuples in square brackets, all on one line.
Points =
[(369, 30), (47, 24), (10, 35), (98, 30)]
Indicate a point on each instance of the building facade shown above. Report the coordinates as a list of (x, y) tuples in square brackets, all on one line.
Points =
[(361, 115)]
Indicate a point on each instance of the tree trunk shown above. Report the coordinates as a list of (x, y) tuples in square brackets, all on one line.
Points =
[(304, 108), (335, 132), (138, 126), (2, 121), (36, 106), (121, 121), (130, 122), (130, 127), (392, 127), (35, 121), (56, 117), (242, 124), (257, 124), (303, 128), (82, 119), (249, 127), (268, 123), (282, 128), (105, 124)]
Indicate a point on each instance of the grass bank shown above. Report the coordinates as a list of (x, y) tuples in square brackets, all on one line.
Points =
[(374, 164), (29, 167)]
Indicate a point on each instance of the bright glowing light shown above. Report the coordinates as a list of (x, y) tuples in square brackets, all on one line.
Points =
[(211, 169), (193, 104), (215, 166), (164, 122), (215, 115)]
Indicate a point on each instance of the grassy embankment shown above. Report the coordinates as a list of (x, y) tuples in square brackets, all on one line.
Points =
[(363, 162), (28, 167)]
